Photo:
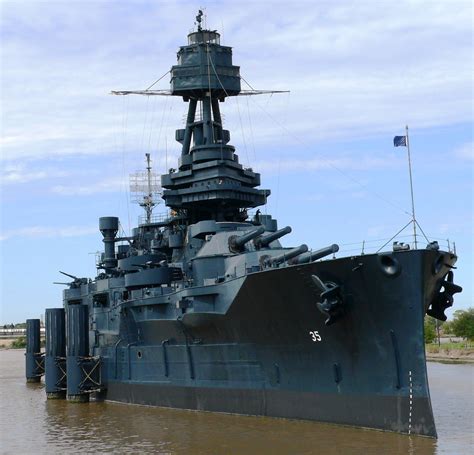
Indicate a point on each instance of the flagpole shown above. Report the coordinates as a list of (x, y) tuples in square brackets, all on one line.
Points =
[(411, 188)]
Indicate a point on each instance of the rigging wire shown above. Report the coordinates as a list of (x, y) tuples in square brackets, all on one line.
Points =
[(153, 110), (252, 137), (387, 201), (278, 188), (423, 232), (165, 110), (145, 123), (158, 80), (345, 174), (277, 199), (238, 110), (372, 241), (296, 138), (391, 238), (210, 99), (243, 133), (125, 110), (166, 137)]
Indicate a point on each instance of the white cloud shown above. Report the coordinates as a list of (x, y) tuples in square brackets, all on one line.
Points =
[(466, 151), (354, 69), (19, 174), (284, 166), (47, 231), (103, 186)]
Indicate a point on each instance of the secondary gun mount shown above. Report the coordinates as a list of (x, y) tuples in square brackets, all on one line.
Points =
[(268, 261), (237, 242), (75, 283), (265, 240), (312, 256)]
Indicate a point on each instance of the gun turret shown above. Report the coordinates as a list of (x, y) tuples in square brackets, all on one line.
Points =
[(237, 242), (76, 281), (69, 275), (315, 255), (287, 255), (265, 240)]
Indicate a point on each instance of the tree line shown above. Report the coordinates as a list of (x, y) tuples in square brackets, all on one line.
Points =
[(462, 326)]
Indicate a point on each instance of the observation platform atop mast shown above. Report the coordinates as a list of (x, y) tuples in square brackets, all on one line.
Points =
[(205, 67)]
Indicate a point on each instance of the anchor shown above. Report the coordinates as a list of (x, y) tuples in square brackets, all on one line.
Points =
[(330, 300), (443, 299)]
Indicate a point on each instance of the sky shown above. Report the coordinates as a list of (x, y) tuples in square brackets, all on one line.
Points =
[(357, 72)]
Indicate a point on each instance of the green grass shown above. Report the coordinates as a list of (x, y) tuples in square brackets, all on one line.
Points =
[(19, 343), (465, 347)]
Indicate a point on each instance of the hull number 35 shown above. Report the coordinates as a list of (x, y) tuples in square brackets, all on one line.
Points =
[(315, 336)]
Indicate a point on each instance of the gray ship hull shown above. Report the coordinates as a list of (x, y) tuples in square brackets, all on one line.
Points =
[(272, 355)]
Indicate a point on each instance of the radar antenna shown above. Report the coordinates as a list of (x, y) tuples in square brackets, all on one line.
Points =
[(145, 189)]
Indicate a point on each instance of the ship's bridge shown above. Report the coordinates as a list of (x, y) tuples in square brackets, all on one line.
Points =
[(204, 36)]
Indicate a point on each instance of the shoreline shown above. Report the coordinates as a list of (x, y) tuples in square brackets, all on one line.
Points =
[(449, 357), (458, 352)]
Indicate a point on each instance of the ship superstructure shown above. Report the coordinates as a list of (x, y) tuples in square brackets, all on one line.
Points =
[(205, 309)]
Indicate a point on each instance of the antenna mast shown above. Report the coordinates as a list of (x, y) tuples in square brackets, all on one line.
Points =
[(149, 200), (145, 190), (411, 188)]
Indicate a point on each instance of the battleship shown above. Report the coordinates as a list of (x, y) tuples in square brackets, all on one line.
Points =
[(204, 309)]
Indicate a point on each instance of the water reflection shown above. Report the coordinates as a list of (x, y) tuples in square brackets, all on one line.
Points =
[(117, 427)]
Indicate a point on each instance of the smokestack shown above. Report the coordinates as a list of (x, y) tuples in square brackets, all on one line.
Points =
[(108, 226)]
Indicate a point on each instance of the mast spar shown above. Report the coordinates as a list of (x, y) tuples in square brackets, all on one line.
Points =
[(145, 190)]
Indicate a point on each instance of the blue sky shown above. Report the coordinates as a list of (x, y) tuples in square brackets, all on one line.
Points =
[(357, 71)]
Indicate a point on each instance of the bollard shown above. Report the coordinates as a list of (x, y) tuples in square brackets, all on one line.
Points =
[(55, 355), (77, 348), (34, 357)]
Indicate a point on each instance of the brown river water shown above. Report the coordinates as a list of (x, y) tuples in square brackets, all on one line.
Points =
[(31, 424)]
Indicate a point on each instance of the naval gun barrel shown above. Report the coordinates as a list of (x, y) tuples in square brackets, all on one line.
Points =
[(312, 256), (69, 275), (287, 255), (265, 240), (236, 242)]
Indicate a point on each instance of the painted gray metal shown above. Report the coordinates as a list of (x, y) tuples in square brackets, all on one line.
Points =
[(210, 183), (77, 335), (55, 353), (318, 254), (205, 65), (33, 357), (108, 226), (206, 309)]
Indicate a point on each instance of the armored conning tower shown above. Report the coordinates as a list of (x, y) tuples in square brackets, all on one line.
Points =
[(210, 182)]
